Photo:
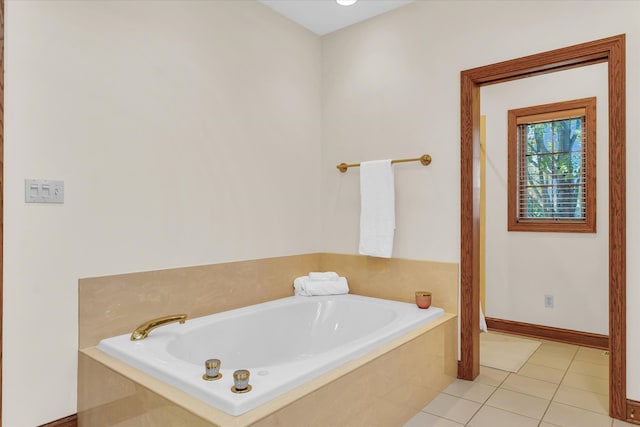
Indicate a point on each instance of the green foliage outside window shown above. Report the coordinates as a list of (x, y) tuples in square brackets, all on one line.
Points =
[(553, 170)]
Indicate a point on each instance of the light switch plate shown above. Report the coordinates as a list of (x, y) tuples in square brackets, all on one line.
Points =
[(43, 191)]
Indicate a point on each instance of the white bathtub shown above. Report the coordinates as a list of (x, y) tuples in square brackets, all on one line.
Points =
[(283, 343)]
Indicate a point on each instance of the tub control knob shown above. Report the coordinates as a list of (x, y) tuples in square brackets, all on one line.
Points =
[(212, 370), (241, 381)]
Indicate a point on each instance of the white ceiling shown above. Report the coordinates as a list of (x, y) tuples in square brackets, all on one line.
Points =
[(325, 16)]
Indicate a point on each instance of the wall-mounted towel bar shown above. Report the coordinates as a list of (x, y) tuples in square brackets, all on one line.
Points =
[(425, 159)]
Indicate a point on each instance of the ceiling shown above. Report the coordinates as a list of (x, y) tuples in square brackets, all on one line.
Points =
[(325, 16)]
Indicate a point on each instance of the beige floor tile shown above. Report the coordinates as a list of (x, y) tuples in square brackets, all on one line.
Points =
[(557, 345), (558, 348), (592, 355), (586, 382), (569, 416), (591, 369), (452, 408), (530, 386), (582, 399), (529, 406), (541, 372), (504, 333), (618, 423), (476, 392), (422, 419), (491, 376), (551, 360), (488, 416)]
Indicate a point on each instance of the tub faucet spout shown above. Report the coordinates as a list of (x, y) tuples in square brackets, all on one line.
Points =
[(142, 331)]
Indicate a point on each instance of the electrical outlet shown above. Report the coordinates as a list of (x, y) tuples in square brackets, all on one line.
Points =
[(548, 301), (43, 191)]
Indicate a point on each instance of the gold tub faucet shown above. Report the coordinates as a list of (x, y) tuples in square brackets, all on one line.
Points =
[(142, 331)]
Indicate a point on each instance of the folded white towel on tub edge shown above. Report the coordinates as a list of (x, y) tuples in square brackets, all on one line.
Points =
[(305, 287)]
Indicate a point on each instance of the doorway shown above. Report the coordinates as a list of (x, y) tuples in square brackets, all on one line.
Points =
[(612, 51)]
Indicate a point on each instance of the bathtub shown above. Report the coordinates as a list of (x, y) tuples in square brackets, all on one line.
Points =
[(284, 343)]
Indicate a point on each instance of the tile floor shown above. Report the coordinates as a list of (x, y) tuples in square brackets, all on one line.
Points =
[(560, 385)]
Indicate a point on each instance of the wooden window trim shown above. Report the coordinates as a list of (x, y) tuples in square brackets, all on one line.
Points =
[(544, 113)]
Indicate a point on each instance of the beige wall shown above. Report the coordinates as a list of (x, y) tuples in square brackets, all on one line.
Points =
[(187, 133), (171, 123), (515, 290), (391, 89)]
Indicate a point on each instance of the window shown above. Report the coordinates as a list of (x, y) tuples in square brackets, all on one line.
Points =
[(552, 167)]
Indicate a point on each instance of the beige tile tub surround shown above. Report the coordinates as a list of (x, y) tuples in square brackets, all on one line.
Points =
[(114, 305), (106, 398), (397, 279), (385, 387)]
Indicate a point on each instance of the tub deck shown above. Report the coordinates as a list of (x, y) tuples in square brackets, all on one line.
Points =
[(284, 343), (384, 387)]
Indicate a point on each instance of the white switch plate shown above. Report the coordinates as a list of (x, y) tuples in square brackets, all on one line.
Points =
[(43, 191)]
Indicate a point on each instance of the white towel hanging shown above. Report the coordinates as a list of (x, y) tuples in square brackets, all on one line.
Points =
[(377, 208)]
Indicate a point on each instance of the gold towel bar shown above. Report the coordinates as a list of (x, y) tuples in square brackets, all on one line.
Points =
[(425, 159)]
